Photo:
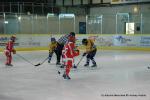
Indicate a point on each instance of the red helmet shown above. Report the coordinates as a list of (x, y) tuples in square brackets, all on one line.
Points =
[(71, 38)]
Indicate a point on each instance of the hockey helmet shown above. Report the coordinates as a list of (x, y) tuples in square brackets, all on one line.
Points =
[(72, 33), (84, 41), (12, 38), (53, 39)]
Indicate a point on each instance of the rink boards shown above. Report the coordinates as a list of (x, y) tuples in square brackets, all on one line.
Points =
[(113, 42)]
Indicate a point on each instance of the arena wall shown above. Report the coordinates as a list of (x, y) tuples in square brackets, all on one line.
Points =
[(26, 42)]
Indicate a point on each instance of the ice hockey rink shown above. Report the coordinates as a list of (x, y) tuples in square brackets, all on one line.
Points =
[(120, 75)]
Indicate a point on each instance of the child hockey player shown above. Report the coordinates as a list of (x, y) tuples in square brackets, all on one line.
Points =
[(9, 50), (69, 52), (90, 51), (52, 47)]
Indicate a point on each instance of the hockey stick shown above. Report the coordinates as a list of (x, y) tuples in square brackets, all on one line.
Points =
[(24, 59), (41, 62), (80, 61)]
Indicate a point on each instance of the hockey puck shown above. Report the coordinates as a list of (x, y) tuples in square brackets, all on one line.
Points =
[(148, 67)]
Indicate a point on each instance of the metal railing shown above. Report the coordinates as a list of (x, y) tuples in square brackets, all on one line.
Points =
[(95, 24), (28, 7)]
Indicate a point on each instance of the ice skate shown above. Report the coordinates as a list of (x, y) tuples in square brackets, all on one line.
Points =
[(48, 61), (94, 65), (8, 64), (67, 77), (86, 65), (64, 76), (58, 63)]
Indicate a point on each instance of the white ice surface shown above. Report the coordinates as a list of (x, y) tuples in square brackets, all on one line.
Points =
[(118, 72)]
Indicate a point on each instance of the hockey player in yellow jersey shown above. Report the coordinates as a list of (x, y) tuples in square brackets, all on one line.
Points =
[(54, 47), (90, 51)]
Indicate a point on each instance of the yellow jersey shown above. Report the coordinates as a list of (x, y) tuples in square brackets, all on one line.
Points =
[(90, 46), (52, 46)]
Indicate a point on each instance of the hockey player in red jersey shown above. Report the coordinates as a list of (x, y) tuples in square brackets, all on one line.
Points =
[(69, 52), (9, 50)]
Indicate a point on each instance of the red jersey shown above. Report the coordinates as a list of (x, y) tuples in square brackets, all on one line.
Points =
[(10, 46), (69, 51)]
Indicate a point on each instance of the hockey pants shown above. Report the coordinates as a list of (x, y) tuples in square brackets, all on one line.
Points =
[(58, 52), (91, 56)]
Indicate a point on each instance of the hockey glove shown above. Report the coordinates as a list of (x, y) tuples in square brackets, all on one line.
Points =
[(14, 51), (77, 50)]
